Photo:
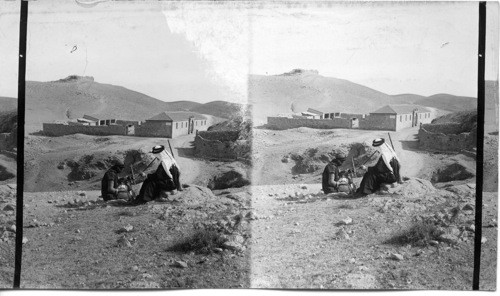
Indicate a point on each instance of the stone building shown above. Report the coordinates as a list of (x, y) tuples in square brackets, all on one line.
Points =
[(402, 116), (172, 124)]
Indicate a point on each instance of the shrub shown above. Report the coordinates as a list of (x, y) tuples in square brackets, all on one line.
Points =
[(202, 241), (419, 234)]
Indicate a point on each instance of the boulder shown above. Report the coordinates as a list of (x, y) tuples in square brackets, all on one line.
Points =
[(180, 264), (397, 257), (9, 207)]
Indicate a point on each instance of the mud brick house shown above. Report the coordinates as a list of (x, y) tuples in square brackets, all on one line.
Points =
[(400, 116), (172, 124)]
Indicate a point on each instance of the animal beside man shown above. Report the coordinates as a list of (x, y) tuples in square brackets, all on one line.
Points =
[(386, 170)]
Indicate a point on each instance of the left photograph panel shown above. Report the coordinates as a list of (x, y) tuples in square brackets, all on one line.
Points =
[(137, 146), (9, 50)]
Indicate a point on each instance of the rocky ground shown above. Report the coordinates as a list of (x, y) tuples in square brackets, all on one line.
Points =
[(304, 239), (7, 234), (419, 236), (75, 240)]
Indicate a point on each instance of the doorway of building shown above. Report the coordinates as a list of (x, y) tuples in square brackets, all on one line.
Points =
[(415, 118), (191, 125), (354, 123), (130, 130)]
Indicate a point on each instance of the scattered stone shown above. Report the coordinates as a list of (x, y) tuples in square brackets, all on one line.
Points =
[(347, 221), (180, 264), (251, 216), (9, 207), (124, 242), (218, 250), (127, 228), (433, 243), (448, 238), (303, 187), (352, 260), (471, 228), (397, 257), (468, 207), (483, 240), (455, 231), (78, 231), (135, 268), (12, 228), (342, 234), (231, 245), (25, 240), (296, 224)]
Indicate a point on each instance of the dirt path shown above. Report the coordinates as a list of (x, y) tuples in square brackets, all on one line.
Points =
[(183, 147), (405, 145)]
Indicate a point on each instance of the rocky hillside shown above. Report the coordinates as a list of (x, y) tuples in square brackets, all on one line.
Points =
[(298, 90), (74, 96), (467, 119), (8, 104)]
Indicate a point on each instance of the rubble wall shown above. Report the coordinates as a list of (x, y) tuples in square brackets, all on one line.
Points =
[(446, 142), (55, 129), (282, 123)]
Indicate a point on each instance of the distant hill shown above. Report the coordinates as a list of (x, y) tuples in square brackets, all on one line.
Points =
[(74, 96), (449, 102), (298, 90), (221, 109), (8, 104)]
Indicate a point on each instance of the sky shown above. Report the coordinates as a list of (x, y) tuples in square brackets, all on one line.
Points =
[(205, 51)]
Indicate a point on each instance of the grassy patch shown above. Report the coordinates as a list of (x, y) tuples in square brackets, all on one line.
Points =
[(202, 241), (419, 234)]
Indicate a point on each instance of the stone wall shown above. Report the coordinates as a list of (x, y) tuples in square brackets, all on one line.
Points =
[(445, 142), (153, 129), (55, 129), (378, 122), (281, 123)]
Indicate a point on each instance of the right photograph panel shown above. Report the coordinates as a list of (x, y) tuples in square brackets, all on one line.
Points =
[(365, 145)]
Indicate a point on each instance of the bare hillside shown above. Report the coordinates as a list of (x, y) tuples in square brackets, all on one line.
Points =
[(299, 90), (75, 96), (8, 104), (449, 102)]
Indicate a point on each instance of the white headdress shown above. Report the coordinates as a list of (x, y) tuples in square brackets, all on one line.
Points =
[(167, 160), (386, 151)]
